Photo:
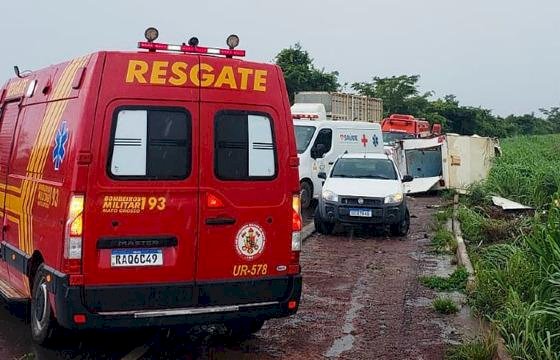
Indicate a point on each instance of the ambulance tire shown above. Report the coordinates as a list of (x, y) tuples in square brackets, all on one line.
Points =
[(306, 194), (243, 328), (322, 227), (44, 328), (401, 228)]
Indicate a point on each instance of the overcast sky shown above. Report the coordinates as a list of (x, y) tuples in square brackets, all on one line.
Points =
[(499, 54)]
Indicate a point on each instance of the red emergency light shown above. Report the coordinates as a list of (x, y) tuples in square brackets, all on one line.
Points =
[(152, 46)]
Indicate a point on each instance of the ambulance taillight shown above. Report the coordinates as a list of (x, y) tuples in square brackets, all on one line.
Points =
[(296, 215), (73, 235), (294, 267)]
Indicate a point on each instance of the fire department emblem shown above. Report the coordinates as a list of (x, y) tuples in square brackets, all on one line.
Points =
[(250, 241)]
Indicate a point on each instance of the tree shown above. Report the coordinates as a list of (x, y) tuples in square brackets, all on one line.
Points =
[(400, 94), (300, 73), (553, 117)]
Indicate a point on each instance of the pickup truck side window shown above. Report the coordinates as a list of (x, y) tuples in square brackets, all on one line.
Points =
[(150, 143), (244, 146), (324, 137)]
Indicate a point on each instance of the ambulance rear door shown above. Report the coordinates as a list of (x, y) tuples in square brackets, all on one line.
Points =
[(142, 202), (244, 248)]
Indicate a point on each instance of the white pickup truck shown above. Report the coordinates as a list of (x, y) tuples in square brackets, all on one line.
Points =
[(363, 189)]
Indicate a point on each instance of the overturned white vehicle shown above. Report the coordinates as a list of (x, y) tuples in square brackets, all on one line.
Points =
[(448, 161)]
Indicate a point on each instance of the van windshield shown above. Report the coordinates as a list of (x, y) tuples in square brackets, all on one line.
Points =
[(364, 169), (303, 137)]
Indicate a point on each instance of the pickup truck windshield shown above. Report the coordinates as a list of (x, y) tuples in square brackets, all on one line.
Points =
[(303, 137), (364, 169)]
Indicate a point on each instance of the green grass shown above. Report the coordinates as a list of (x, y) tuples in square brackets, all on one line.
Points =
[(448, 194), (456, 281), (518, 288), (471, 223), (445, 305), (478, 226), (517, 260), (444, 241), (528, 170), (443, 215), (477, 349)]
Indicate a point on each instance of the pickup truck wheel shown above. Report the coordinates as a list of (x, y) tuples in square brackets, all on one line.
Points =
[(242, 329), (306, 194), (44, 327), (401, 228), (323, 227)]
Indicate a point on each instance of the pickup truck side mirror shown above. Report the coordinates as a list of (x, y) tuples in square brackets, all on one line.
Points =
[(318, 151), (407, 178), (322, 175)]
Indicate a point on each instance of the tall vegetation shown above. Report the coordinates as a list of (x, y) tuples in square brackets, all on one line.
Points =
[(518, 272), (528, 170)]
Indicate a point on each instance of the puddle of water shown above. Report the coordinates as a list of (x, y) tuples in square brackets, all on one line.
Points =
[(346, 342), (449, 333), (419, 302), (439, 265), (341, 345)]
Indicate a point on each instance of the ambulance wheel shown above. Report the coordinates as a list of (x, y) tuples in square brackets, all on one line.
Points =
[(243, 328), (306, 194), (322, 227), (43, 324), (401, 228)]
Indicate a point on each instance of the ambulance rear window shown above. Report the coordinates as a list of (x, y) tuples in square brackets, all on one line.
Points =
[(244, 147), (151, 143)]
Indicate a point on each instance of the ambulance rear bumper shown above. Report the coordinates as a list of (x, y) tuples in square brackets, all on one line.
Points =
[(69, 303)]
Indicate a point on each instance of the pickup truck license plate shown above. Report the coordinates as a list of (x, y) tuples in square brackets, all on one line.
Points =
[(136, 257), (361, 212)]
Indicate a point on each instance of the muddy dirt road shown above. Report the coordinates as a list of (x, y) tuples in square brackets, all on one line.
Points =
[(361, 300)]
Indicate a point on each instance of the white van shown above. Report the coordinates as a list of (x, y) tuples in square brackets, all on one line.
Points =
[(320, 143)]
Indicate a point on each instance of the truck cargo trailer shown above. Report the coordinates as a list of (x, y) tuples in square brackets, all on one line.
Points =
[(341, 106)]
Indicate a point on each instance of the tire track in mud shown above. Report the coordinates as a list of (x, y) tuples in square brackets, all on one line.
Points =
[(346, 342)]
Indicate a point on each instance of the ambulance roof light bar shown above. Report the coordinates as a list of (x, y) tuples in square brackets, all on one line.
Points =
[(305, 116), (151, 34)]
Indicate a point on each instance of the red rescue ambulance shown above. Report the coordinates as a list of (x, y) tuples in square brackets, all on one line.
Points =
[(150, 188)]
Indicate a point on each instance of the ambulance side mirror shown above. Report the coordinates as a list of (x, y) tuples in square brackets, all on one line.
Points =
[(322, 175), (318, 151)]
